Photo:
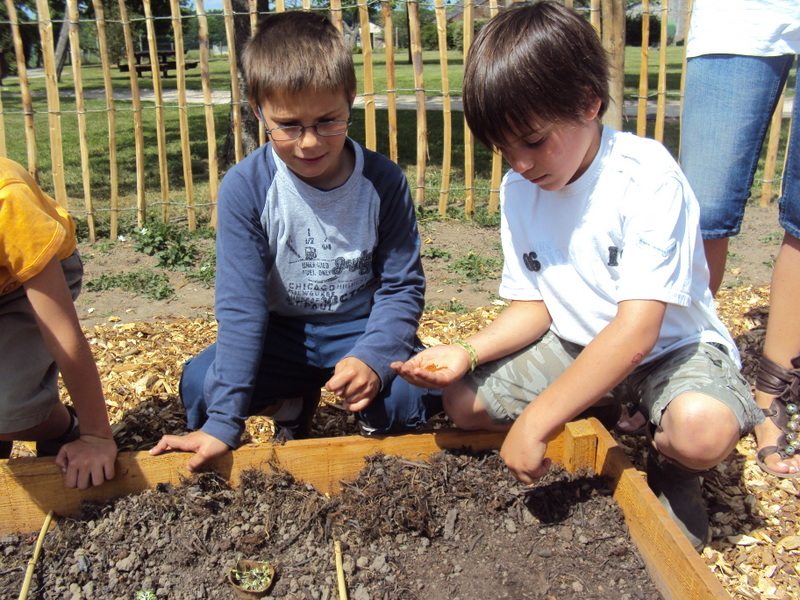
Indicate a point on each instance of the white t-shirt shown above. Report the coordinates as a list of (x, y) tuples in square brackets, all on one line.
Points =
[(626, 229), (748, 27)]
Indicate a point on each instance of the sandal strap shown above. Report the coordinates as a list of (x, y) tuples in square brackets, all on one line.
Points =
[(776, 380)]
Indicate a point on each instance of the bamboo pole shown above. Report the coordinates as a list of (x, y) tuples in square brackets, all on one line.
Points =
[(262, 132), (341, 584), (208, 106), (236, 100), (447, 132), (641, 107), (80, 107), (136, 100), (687, 17), (369, 84), (613, 37), (280, 6), (661, 102), (183, 119), (469, 151), (594, 15), (336, 15), (3, 149), (391, 83), (306, 5), (415, 39), (771, 158), (53, 104), (161, 135), (25, 90), (497, 158), (102, 43)]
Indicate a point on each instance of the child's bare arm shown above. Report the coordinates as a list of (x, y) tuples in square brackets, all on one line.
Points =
[(518, 326), (606, 361), (55, 314)]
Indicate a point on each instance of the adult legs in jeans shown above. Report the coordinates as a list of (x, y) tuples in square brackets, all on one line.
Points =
[(728, 105)]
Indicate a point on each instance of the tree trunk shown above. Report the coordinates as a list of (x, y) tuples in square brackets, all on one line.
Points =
[(63, 43), (241, 22)]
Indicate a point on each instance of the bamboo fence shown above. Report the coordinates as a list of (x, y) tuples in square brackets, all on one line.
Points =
[(167, 183)]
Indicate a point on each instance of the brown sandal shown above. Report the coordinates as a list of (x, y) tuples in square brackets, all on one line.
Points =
[(784, 411)]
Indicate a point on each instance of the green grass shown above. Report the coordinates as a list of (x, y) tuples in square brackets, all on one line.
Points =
[(154, 285), (97, 128)]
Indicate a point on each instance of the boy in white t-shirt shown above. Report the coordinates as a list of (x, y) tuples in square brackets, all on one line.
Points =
[(603, 267)]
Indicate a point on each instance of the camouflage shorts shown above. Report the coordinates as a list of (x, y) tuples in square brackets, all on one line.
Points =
[(506, 386)]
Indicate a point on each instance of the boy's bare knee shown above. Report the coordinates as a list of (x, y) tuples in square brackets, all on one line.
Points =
[(697, 430), (459, 404)]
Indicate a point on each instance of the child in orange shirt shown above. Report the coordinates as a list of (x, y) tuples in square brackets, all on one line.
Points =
[(40, 276)]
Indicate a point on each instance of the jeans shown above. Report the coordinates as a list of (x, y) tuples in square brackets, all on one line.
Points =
[(728, 104), (298, 358)]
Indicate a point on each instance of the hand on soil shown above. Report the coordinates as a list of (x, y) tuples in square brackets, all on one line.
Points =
[(524, 454), (435, 367), (89, 460), (205, 447), (354, 382)]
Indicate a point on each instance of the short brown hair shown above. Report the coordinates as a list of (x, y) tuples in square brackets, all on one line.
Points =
[(541, 61), (296, 51)]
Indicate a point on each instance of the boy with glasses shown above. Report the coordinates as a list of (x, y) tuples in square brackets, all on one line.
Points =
[(319, 280), (603, 266)]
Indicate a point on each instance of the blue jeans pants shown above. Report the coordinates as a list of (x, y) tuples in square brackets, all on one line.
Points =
[(298, 358), (728, 104)]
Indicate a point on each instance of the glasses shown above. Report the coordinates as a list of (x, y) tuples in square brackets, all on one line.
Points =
[(285, 133)]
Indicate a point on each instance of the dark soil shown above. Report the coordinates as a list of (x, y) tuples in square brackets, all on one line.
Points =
[(457, 527)]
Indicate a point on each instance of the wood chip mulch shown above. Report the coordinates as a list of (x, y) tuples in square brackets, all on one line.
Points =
[(755, 517)]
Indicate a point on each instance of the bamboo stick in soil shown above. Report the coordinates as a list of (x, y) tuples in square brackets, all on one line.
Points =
[(391, 83), (771, 159), (469, 151), (262, 132), (447, 129), (136, 101), (111, 117), (208, 106), (161, 135), (497, 158), (80, 106), (183, 119), (53, 104), (236, 100), (415, 37), (25, 90), (336, 15), (661, 103), (370, 135), (641, 104)]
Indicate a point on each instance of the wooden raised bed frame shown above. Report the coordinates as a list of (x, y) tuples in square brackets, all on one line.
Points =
[(31, 487)]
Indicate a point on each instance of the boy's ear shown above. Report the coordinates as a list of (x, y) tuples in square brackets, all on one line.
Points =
[(256, 110), (592, 109)]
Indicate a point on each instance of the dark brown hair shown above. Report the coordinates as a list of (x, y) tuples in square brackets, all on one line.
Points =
[(297, 51), (541, 61)]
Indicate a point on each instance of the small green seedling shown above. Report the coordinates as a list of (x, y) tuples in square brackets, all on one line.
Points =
[(146, 595), (252, 576)]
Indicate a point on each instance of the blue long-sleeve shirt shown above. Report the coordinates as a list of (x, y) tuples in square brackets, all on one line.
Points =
[(321, 256)]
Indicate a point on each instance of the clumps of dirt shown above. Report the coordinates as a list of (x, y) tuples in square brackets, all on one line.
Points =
[(455, 527)]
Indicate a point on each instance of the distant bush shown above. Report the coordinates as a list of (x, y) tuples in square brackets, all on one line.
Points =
[(633, 30)]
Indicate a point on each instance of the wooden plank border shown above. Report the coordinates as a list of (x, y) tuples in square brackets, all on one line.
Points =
[(29, 488)]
